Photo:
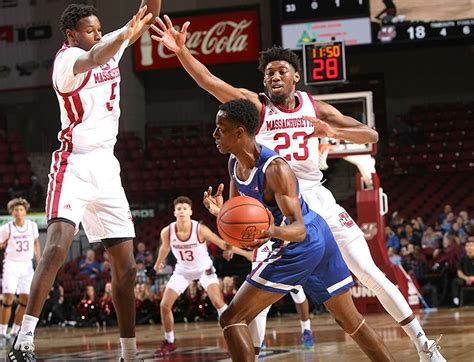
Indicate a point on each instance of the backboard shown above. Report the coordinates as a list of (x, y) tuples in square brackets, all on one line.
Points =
[(358, 105)]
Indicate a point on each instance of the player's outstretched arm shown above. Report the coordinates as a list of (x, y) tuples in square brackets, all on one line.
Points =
[(245, 253), (164, 249), (153, 7), (175, 41), (341, 126), (103, 51), (281, 181), (206, 234)]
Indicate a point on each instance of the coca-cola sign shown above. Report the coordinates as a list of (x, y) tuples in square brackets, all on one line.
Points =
[(226, 37)]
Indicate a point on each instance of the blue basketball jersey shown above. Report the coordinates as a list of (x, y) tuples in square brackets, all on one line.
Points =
[(254, 185)]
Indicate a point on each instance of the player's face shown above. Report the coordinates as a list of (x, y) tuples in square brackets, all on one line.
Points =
[(225, 134), (280, 80), (19, 212), (182, 211), (87, 34)]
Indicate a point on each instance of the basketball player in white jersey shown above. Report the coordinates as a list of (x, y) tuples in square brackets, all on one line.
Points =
[(19, 238), (301, 302), (291, 122), (187, 239), (84, 183)]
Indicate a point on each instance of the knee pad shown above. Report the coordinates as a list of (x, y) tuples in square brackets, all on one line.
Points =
[(299, 297)]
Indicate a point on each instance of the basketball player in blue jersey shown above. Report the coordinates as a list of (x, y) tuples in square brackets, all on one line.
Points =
[(290, 123), (304, 252)]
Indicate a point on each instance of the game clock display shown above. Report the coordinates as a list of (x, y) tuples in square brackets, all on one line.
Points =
[(324, 63)]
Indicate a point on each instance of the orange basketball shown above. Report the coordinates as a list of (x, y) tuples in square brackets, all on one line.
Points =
[(241, 220)]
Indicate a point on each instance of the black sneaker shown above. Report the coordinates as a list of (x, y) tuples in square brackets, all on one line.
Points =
[(24, 354)]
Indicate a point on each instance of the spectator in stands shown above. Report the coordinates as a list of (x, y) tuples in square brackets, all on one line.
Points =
[(393, 256), (465, 217), (105, 266), (420, 224), (89, 266), (108, 317), (465, 271), (446, 210), (458, 228), (144, 304), (16, 190), (400, 231), (140, 254), (141, 277), (88, 308), (404, 242), (414, 237), (392, 239), (446, 261), (55, 309), (35, 193), (447, 223), (414, 262), (431, 239), (149, 263)]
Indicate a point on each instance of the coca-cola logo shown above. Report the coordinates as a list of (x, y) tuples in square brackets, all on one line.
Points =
[(222, 37), (226, 37)]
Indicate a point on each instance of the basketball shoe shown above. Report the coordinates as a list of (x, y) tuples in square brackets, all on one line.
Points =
[(308, 341), (24, 354), (430, 352), (166, 347)]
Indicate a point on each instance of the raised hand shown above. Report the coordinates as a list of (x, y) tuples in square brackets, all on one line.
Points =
[(171, 38), (136, 26), (213, 203), (320, 128)]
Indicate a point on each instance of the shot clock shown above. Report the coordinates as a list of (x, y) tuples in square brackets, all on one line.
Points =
[(324, 63)]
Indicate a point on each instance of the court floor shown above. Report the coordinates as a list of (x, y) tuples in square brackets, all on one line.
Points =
[(203, 341)]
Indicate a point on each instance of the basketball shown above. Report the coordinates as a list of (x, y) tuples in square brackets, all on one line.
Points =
[(241, 220)]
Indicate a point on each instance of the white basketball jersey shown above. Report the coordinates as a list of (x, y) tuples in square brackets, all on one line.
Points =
[(192, 253), (284, 130), (20, 241), (88, 102)]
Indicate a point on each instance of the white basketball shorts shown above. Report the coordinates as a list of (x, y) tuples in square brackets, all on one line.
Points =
[(180, 280), (17, 277), (86, 187), (321, 200)]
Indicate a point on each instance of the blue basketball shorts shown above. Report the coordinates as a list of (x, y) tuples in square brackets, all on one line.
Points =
[(315, 264)]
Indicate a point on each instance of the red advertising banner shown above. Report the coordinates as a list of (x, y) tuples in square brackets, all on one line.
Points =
[(227, 37)]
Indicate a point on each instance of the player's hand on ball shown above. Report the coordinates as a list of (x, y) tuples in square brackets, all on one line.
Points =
[(213, 203), (265, 235), (320, 128), (171, 38), (137, 24)]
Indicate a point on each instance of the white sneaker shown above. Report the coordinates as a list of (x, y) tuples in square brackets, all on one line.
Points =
[(456, 302), (430, 352)]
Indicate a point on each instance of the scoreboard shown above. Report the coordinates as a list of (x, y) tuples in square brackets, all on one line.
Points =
[(324, 63), (365, 22)]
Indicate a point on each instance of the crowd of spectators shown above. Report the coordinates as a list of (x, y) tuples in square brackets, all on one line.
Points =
[(438, 255)]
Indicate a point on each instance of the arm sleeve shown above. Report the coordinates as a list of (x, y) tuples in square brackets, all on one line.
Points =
[(64, 79), (4, 233)]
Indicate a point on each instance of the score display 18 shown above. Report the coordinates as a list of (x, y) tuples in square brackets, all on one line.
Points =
[(324, 63)]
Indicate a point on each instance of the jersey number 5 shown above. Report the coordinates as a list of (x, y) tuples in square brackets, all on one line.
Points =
[(186, 255), (110, 105), (302, 151)]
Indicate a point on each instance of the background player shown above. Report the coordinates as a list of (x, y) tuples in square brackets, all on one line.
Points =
[(258, 326), (85, 183), (297, 142), (19, 237), (310, 257), (186, 238)]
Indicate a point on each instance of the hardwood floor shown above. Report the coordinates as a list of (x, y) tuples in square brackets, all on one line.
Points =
[(203, 342)]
